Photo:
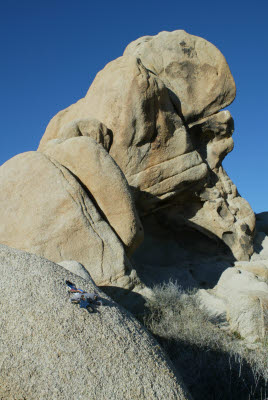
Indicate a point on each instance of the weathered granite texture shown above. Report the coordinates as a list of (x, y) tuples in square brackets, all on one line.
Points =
[(46, 211), (52, 349), (241, 299), (162, 103)]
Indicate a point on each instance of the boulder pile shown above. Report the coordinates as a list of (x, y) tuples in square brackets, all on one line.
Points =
[(126, 189), (144, 147)]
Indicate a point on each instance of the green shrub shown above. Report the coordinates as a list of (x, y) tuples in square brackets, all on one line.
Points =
[(213, 363)]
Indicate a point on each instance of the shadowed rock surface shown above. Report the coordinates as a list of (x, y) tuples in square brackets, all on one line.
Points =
[(262, 222)]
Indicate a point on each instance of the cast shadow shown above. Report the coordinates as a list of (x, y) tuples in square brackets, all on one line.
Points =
[(130, 300), (214, 374), (177, 249)]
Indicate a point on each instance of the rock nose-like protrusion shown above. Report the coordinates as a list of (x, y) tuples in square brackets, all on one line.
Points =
[(212, 136)]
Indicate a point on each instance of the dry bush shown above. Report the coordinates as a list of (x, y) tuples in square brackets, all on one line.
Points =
[(213, 364)]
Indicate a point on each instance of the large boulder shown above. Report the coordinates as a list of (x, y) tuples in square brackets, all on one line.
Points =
[(150, 143), (194, 70), (46, 211), (101, 176), (52, 349), (169, 133)]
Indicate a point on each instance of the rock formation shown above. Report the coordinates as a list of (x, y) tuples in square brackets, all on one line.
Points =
[(241, 299), (145, 144), (48, 212), (52, 349), (127, 183)]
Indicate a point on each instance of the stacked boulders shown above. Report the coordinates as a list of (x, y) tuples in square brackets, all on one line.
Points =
[(143, 148), (149, 135)]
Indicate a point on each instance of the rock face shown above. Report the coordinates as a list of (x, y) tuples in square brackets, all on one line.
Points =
[(194, 71), (241, 298), (147, 133), (169, 135), (145, 144), (52, 349), (47, 212), (112, 195), (261, 247)]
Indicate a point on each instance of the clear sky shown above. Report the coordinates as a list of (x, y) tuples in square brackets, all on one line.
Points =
[(51, 51)]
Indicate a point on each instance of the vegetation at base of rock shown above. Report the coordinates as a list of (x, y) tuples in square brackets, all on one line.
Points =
[(213, 363)]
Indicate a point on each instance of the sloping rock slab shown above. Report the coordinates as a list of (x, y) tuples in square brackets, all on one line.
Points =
[(52, 349)]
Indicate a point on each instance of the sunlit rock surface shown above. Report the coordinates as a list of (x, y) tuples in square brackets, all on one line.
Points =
[(145, 145)]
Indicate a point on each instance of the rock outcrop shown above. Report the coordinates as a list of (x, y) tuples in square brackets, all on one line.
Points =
[(89, 161), (194, 71), (241, 299), (52, 349), (139, 157), (145, 144), (169, 135), (47, 212)]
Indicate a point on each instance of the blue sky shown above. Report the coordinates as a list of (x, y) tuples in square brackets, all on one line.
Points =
[(52, 50)]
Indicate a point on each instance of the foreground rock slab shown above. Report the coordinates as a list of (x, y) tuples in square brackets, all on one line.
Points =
[(52, 349)]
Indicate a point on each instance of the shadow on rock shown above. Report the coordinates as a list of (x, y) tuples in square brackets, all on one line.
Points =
[(176, 250), (132, 301)]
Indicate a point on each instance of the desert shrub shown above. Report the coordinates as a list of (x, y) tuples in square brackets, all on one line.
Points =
[(213, 363)]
